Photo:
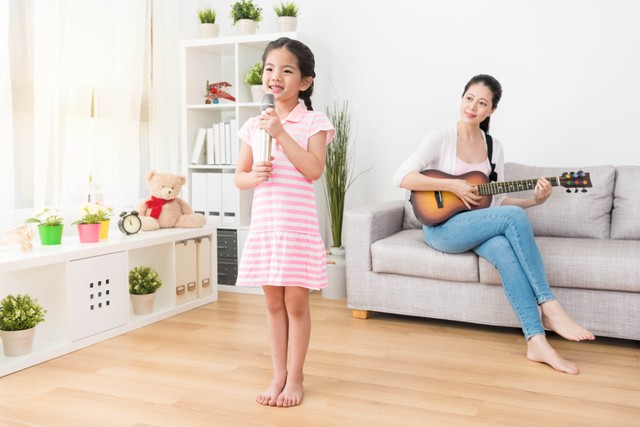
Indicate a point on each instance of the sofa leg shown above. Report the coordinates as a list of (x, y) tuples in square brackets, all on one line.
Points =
[(361, 314)]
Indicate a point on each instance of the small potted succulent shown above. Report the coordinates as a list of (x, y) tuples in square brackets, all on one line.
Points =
[(287, 16), (208, 27), (19, 315), (246, 16), (144, 281), (50, 225), (254, 79)]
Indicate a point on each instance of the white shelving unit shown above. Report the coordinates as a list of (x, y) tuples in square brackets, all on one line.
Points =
[(84, 287), (220, 59)]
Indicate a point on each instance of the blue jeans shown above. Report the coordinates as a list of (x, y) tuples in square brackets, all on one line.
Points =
[(503, 236)]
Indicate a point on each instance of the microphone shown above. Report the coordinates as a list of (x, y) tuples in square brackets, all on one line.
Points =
[(268, 101)]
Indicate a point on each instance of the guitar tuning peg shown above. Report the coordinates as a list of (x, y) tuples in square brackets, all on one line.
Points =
[(568, 190), (576, 190), (584, 190)]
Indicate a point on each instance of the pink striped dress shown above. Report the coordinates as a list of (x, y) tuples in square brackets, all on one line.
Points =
[(284, 246)]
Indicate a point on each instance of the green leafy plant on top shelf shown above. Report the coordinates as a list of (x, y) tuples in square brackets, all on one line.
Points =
[(143, 280), (207, 16), (47, 216), (245, 9), (254, 75), (287, 9), (20, 312)]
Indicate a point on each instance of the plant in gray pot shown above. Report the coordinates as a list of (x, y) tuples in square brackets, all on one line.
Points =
[(246, 15), (144, 281), (19, 315)]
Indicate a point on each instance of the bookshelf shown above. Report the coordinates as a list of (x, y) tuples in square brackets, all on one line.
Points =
[(84, 286), (210, 187)]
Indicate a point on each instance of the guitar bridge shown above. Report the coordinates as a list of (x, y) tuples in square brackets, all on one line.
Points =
[(438, 196)]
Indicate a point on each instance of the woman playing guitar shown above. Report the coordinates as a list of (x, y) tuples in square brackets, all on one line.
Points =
[(501, 233)]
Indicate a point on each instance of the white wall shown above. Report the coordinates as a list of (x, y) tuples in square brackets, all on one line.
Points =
[(569, 72)]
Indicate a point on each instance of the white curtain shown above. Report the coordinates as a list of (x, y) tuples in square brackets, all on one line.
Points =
[(99, 100)]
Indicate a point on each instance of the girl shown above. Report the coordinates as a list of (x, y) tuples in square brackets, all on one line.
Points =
[(284, 252), (501, 233)]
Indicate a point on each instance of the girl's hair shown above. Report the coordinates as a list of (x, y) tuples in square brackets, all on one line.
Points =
[(306, 62), (495, 88)]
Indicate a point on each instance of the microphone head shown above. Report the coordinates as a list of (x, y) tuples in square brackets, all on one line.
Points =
[(268, 101)]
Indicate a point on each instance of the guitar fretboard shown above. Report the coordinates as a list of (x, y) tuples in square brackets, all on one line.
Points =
[(512, 186)]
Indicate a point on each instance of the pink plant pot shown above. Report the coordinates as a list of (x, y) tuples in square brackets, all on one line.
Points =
[(89, 233)]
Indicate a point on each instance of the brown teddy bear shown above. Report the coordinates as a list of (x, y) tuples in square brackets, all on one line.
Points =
[(165, 209)]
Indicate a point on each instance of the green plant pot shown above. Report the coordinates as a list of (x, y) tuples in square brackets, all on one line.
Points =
[(50, 234)]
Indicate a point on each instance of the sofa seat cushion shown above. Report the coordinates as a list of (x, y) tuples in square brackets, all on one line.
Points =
[(569, 215), (625, 220), (407, 253), (583, 264)]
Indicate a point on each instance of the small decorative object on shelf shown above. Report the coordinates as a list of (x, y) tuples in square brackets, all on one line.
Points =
[(129, 222), (215, 91), (89, 225), (287, 16), (143, 283), (21, 235), (245, 16), (19, 315), (254, 79), (50, 225), (208, 27)]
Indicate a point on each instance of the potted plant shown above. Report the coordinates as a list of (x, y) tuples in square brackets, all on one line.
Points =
[(287, 16), (144, 281), (19, 315), (104, 213), (254, 79), (91, 214), (208, 27), (338, 177), (50, 225), (246, 15)]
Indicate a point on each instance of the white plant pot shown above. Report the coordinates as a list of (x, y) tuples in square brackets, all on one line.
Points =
[(142, 304), (246, 26), (17, 343), (336, 272), (257, 92), (206, 31), (287, 23)]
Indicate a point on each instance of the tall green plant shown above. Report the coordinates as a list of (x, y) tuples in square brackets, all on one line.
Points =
[(338, 168)]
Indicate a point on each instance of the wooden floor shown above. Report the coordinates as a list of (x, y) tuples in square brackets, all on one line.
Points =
[(205, 367)]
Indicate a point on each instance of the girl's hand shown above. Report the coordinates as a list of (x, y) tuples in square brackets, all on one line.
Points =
[(542, 191), (270, 122), (466, 192), (261, 171)]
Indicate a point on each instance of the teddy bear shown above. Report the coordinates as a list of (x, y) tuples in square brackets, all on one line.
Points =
[(164, 209)]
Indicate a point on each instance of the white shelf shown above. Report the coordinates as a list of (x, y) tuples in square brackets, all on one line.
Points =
[(48, 274)]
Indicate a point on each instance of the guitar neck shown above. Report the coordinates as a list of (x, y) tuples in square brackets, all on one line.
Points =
[(491, 188)]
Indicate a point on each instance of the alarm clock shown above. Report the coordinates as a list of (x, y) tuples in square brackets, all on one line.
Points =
[(129, 222)]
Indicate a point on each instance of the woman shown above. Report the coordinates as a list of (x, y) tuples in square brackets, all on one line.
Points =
[(501, 233)]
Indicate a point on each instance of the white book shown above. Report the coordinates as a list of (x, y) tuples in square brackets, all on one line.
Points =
[(229, 194), (235, 145), (216, 144), (227, 143), (214, 197), (210, 150), (198, 146), (199, 192)]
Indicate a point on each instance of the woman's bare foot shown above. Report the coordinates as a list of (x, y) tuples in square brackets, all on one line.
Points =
[(539, 350), (555, 318), (292, 393), (269, 397)]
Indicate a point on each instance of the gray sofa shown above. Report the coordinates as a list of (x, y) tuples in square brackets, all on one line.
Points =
[(590, 244)]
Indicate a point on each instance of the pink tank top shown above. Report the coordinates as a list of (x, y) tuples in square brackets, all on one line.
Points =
[(463, 167)]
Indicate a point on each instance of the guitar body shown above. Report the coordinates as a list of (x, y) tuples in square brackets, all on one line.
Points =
[(435, 207)]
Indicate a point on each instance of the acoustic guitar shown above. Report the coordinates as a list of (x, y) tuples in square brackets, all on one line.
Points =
[(435, 207)]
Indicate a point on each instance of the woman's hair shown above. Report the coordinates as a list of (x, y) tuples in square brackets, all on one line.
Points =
[(306, 62), (495, 88)]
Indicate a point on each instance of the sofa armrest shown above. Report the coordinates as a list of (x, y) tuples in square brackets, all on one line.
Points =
[(363, 226)]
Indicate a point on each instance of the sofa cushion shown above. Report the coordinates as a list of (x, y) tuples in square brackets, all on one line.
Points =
[(625, 220), (407, 253), (569, 214), (583, 264), (409, 220)]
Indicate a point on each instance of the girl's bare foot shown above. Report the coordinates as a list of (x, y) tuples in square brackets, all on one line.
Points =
[(292, 393), (555, 318), (539, 350), (269, 397)]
